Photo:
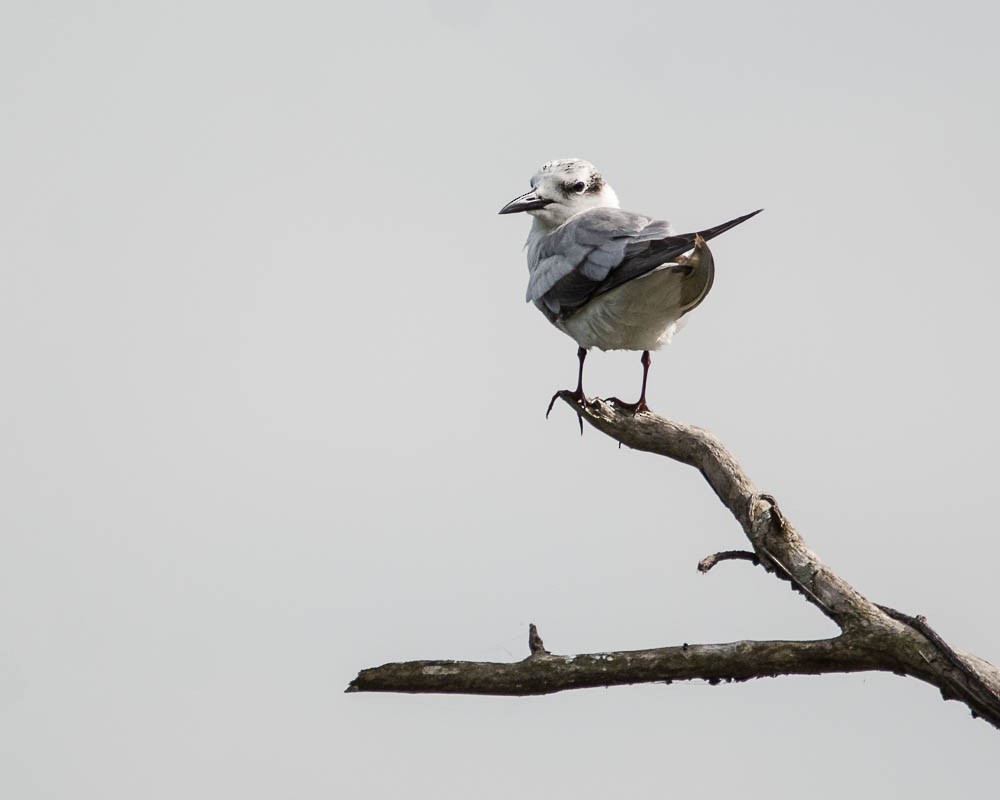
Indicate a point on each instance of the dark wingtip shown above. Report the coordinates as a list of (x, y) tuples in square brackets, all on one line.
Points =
[(710, 233)]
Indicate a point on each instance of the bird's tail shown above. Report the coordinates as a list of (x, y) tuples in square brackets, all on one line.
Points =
[(711, 233)]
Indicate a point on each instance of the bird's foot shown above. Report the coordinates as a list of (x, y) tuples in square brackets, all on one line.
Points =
[(629, 408), (577, 397), (574, 396)]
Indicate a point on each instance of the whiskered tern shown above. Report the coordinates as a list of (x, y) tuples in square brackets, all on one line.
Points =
[(609, 278)]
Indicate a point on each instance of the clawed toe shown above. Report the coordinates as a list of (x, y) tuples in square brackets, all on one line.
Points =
[(576, 397), (631, 408)]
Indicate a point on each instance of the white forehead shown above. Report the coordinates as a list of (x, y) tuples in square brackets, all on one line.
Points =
[(564, 169)]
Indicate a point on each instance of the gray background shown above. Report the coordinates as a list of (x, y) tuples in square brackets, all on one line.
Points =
[(272, 404)]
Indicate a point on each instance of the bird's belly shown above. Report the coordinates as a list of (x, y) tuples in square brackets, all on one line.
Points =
[(642, 314)]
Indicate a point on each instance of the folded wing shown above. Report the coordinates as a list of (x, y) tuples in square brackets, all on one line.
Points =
[(601, 249)]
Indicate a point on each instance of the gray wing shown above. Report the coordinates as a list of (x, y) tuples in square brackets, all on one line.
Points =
[(603, 248), (597, 251)]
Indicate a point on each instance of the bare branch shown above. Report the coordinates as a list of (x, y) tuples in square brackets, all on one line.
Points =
[(736, 661), (873, 637)]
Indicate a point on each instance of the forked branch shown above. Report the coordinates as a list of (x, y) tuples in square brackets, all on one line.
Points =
[(872, 637)]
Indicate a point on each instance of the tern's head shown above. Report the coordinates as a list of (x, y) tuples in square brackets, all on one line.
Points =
[(561, 189)]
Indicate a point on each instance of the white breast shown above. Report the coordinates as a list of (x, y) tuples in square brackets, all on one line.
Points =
[(642, 314)]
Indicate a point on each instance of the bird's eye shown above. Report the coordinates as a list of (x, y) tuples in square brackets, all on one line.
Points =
[(578, 187)]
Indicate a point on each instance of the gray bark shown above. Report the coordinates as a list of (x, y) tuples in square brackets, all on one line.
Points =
[(873, 637)]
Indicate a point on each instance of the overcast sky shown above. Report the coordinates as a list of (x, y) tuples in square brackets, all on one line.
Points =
[(272, 406)]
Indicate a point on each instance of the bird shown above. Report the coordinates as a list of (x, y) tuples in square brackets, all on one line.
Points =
[(608, 278)]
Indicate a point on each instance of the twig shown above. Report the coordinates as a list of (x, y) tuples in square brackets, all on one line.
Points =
[(535, 643), (727, 555)]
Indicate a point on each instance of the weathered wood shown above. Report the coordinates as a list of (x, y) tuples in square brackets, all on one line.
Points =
[(545, 674), (872, 637)]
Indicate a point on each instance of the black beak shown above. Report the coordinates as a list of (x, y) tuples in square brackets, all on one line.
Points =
[(526, 202)]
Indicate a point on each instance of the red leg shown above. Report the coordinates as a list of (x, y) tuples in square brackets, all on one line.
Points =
[(635, 408), (646, 361), (577, 396)]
